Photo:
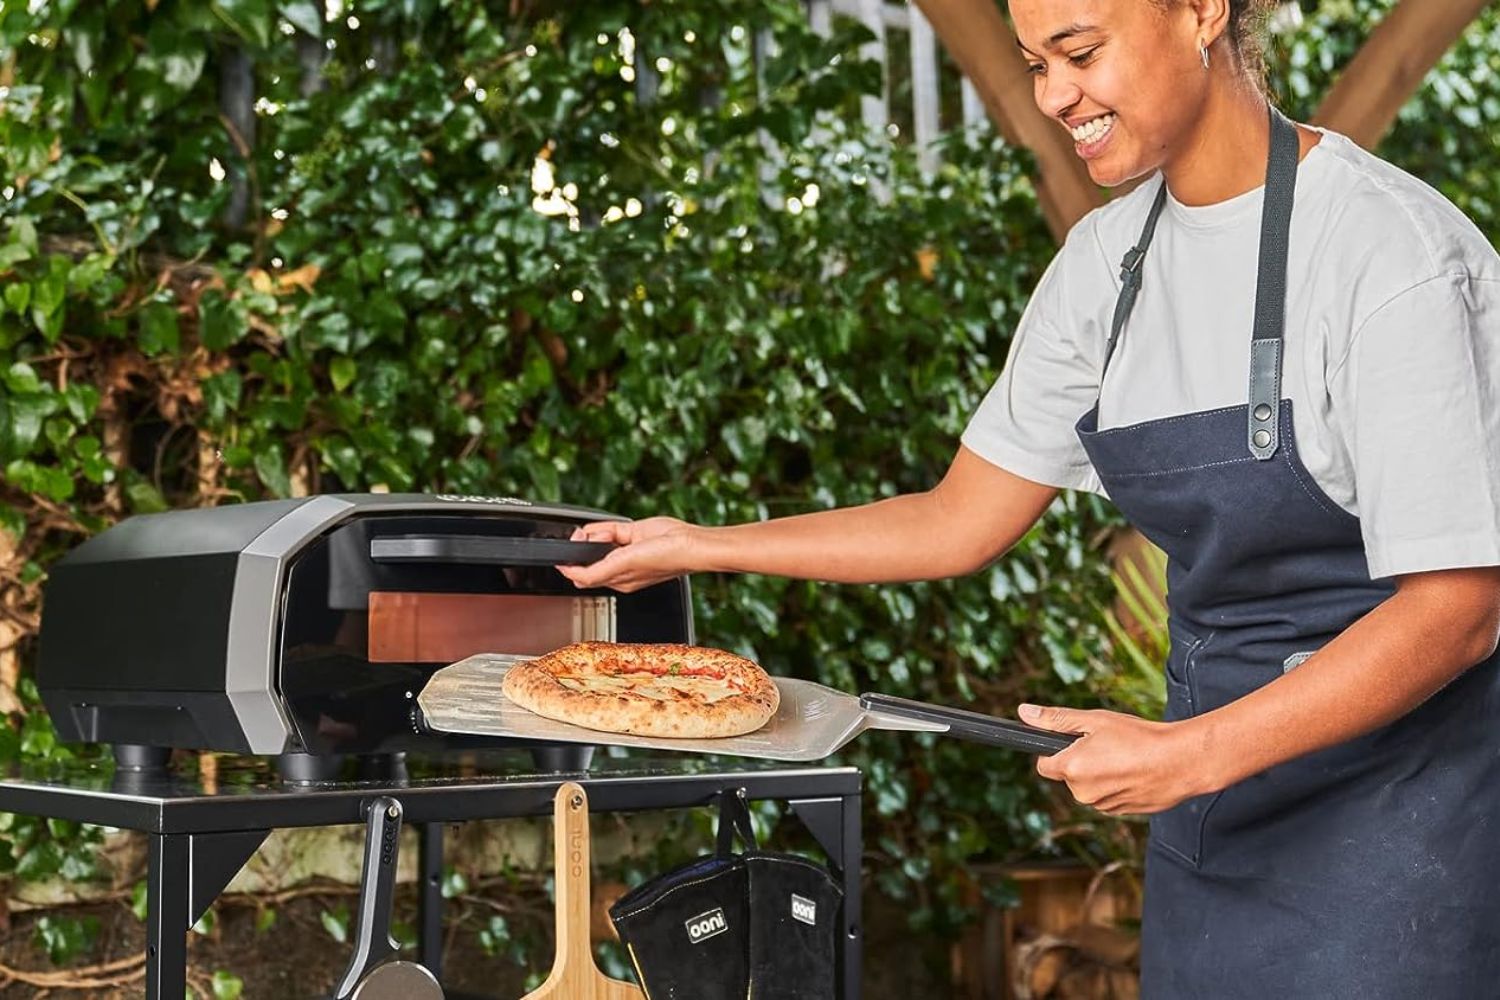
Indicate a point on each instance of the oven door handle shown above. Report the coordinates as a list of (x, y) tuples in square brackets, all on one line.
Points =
[(486, 550)]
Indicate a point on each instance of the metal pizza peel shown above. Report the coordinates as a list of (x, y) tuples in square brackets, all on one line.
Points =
[(813, 721)]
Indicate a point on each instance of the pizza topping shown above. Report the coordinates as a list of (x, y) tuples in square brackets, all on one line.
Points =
[(651, 689)]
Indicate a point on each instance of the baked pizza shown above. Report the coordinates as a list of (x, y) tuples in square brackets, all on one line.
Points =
[(649, 689)]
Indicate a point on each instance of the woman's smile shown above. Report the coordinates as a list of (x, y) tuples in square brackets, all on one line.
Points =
[(1092, 136)]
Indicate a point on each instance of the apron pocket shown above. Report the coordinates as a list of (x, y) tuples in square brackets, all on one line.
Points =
[(1179, 830), (1181, 654)]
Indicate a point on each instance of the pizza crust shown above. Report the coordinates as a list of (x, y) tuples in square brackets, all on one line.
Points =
[(648, 689)]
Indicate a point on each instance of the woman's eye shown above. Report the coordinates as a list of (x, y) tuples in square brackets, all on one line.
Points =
[(1083, 58), (1036, 69)]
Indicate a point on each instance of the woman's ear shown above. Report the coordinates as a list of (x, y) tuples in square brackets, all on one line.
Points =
[(1213, 18)]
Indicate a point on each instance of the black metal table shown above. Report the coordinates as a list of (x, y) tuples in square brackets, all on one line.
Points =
[(202, 833)]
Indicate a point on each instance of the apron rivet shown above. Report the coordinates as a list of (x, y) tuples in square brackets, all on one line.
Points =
[(1263, 412), (1262, 438)]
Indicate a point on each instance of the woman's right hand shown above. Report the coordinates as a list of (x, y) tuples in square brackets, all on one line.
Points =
[(650, 551)]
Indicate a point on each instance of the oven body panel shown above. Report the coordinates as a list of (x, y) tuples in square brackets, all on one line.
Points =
[(310, 625)]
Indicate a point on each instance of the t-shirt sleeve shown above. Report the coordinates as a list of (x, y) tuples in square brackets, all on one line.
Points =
[(1025, 423), (1420, 393)]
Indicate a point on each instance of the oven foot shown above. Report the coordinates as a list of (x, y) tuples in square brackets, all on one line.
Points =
[(137, 757), (568, 757), (307, 768), (383, 766)]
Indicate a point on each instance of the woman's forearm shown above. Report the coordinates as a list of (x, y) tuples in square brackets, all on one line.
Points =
[(974, 515), (977, 512), (890, 540), (1380, 668)]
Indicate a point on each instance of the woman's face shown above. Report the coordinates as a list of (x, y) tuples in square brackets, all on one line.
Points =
[(1124, 76)]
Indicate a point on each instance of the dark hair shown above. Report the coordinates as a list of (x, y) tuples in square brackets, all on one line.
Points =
[(1247, 24), (1247, 27)]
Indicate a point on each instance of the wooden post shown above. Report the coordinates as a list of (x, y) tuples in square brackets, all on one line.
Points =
[(1391, 65)]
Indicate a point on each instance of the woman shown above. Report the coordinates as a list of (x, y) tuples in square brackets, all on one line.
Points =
[(1303, 414)]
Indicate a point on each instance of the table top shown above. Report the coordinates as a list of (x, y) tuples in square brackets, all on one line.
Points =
[(246, 793)]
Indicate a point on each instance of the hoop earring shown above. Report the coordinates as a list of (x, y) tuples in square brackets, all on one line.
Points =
[(1203, 52)]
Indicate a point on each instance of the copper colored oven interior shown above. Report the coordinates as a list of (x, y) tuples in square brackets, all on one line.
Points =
[(442, 628)]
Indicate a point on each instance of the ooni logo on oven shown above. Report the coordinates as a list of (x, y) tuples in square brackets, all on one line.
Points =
[(466, 498), (706, 925)]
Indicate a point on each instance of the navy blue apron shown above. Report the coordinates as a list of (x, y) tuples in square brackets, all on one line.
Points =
[(1367, 871)]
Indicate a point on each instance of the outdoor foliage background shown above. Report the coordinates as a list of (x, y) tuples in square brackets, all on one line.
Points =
[(457, 252)]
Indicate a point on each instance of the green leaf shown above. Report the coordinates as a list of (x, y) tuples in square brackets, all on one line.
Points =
[(21, 377), (221, 322), (495, 938), (21, 422), (341, 372), (454, 883), (82, 400), (13, 521), (83, 40), (159, 332), (23, 236), (49, 323), (53, 483), (304, 16), (404, 933), (249, 19), (265, 919), (336, 923), (143, 497), (182, 68), (65, 937), (48, 292), (221, 394), (270, 466), (17, 296), (226, 985), (11, 255), (140, 900)]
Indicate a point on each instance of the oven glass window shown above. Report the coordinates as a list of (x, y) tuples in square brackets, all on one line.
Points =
[(409, 627)]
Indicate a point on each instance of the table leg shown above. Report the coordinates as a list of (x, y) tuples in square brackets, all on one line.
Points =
[(168, 882), (835, 825), (853, 844), (430, 889)]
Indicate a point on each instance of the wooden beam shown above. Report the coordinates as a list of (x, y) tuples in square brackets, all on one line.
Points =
[(981, 43), (1391, 65)]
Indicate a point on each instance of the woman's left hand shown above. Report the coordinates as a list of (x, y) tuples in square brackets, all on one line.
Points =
[(1122, 764)]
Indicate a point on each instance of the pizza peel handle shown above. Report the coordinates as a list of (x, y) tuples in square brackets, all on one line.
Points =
[(575, 976), (486, 550), (973, 726)]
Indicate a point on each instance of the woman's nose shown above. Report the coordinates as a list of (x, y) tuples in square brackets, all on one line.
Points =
[(1056, 94)]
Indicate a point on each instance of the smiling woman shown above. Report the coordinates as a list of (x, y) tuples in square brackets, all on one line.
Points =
[(1279, 356), (1160, 65)]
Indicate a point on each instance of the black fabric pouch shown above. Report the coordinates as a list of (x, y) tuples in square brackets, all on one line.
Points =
[(688, 931), (794, 927), (753, 926)]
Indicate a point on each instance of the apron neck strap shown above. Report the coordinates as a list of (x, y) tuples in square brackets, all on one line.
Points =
[(1270, 288), (1130, 276)]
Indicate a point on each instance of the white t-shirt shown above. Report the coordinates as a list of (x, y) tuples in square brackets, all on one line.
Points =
[(1391, 360)]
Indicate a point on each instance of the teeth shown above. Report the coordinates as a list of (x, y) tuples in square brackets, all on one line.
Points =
[(1094, 129)]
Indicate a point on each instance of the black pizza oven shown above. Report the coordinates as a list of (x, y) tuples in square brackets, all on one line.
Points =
[(309, 626)]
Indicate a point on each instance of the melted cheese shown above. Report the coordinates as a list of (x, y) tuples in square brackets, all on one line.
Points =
[(657, 687)]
